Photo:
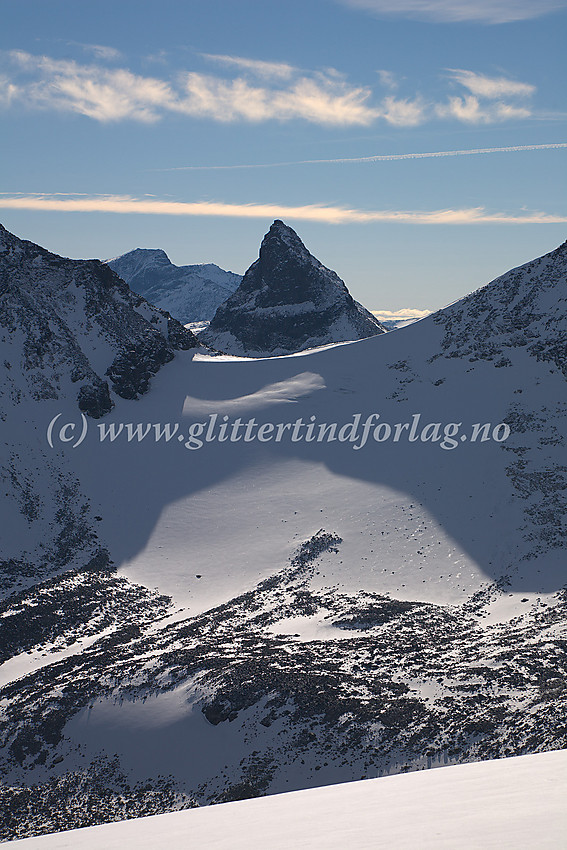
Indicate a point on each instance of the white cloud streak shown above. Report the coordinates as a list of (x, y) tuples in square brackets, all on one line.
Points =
[(460, 11), (312, 212), (377, 158), (404, 313)]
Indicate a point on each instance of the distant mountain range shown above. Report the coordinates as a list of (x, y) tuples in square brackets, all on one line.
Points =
[(226, 578), (189, 293)]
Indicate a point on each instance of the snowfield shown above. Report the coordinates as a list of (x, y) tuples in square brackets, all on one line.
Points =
[(510, 804)]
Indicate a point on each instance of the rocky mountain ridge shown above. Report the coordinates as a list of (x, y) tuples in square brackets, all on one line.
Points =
[(73, 339), (79, 324)]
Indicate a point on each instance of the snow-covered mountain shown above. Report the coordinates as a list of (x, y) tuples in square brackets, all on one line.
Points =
[(77, 323), (287, 302), (269, 600), (509, 804), (189, 293)]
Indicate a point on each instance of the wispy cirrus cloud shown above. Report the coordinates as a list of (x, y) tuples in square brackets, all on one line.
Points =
[(97, 92), (327, 214), (113, 94), (9, 92), (492, 88), (258, 67), (470, 110), (489, 99), (325, 101), (99, 51), (459, 11), (388, 79), (284, 93), (404, 112)]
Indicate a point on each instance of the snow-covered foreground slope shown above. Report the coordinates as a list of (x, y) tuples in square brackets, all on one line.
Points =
[(189, 293), (510, 804), (288, 613)]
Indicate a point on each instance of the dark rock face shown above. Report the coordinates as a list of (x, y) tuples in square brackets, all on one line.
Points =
[(94, 399), (67, 318), (287, 301), (190, 293)]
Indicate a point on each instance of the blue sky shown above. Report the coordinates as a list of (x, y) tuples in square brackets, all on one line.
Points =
[(190, 126)]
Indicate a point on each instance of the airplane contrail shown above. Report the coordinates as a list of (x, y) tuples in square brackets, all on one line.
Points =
[(377, 158)]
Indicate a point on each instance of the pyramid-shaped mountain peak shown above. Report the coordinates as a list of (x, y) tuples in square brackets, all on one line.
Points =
[(287, 302)]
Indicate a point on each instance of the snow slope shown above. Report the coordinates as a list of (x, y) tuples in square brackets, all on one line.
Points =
[(510, 804)]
